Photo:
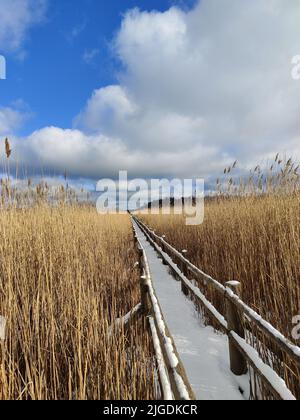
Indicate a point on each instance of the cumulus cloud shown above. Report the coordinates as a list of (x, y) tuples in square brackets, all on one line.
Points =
[(16, 17), (11, 119), (227, 64), (54, 150), (198, 89)]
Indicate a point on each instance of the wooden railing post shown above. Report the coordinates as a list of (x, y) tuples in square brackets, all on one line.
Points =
[(238, 363), (145, 296), (184, 288), (144, 288)]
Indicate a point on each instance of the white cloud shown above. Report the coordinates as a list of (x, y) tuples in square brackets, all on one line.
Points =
[(13, 117), (226, 63), (16, 17), (54, 150), (106, 110), (198, 90), (10, 120), (90, 55)]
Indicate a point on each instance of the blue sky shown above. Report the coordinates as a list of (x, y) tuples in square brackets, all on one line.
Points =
[(158, 88), (67, 56)]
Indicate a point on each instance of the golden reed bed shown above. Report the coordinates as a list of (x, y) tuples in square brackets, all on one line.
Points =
[(65, 275)]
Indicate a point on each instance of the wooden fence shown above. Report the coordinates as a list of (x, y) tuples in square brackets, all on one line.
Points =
[(241, 353), (172, 376)]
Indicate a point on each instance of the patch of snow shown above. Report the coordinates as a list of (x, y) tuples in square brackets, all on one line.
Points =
[(2, 328), (277, 383), (233, 283), (195, 290), (181, 387), (125, 319)]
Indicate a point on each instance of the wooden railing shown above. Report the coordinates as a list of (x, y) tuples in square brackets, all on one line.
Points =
[(241, 353), (172, 376)]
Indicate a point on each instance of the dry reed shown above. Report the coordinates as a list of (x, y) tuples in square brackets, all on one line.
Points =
[(66, 275)]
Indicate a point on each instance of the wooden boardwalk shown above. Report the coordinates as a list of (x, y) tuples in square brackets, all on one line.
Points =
[(212, 371)]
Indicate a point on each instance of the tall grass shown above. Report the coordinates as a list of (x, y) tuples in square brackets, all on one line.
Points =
[(66, 274)]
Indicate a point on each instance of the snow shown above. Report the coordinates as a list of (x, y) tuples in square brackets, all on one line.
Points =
[(173, 360), (119, 321), (277, 383), (127, 317), (222, 321), (164, 379), (233, 283), (2, 327), (273, 332), (181, 387), (204, 353), (191, 266)]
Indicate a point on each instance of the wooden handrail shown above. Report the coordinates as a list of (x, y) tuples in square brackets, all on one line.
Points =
[(268, 376), (164, 380), (180, 385)]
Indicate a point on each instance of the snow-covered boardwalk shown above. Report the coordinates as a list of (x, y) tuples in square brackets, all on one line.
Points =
[(203, 352)]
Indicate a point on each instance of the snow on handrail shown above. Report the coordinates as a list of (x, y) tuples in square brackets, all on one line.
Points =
[(164, 379), (268, 375), (277, 338), (124, 321)]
